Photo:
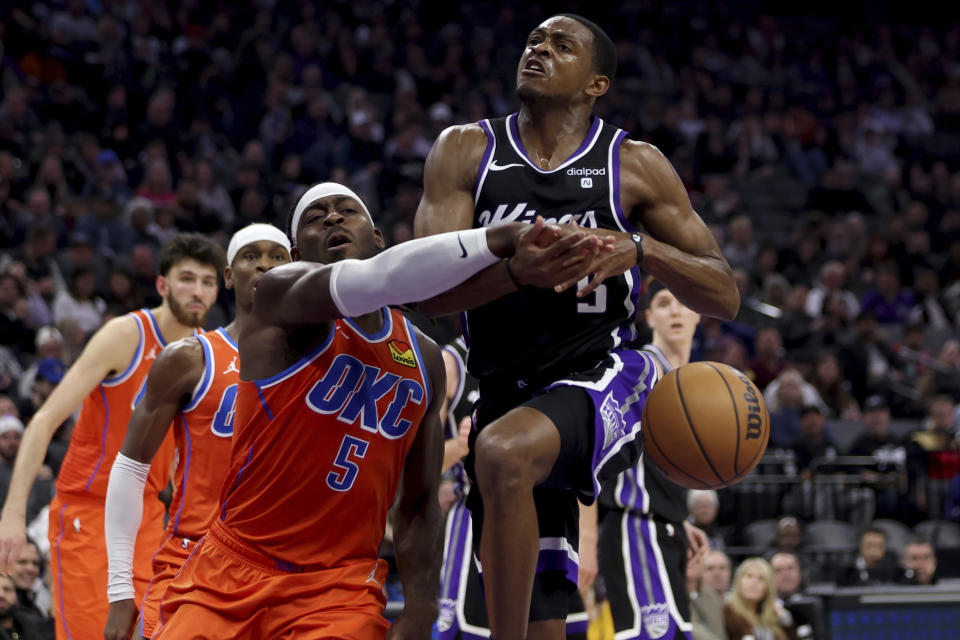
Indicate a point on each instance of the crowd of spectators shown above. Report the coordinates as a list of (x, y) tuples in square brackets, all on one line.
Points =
[(824, 153)]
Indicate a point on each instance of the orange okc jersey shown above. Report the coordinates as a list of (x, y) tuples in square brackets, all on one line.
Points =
[(319, 447), (104, 416), (203, 431)]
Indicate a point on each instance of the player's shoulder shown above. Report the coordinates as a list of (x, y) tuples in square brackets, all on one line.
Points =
[(182, 356), (119, 331), (638, 152), (458, 135)]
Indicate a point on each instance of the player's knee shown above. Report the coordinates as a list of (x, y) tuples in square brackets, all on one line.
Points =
[(502, 463)]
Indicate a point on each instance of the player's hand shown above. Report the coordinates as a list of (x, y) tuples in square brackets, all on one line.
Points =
[(547, 254), (13, 535), (410, 624), (697, 542), (589, 568), (463, 437), (621, 256), (120, 620)]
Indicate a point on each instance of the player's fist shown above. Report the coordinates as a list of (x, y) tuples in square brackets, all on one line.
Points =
[(120, 620)]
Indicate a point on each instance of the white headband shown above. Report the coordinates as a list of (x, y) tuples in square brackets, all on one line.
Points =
[(254, 233), (317, 192)]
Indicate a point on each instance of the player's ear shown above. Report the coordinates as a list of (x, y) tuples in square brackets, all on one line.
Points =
[(646, 315), (378, 238), (598, 85), (163, 286), (295, 254), (228, 277)]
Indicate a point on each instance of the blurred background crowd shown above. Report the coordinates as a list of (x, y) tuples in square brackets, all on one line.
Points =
[(824, 153)]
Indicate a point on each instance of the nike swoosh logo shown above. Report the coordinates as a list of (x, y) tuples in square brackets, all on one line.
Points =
[(462, 248), (502, 167)]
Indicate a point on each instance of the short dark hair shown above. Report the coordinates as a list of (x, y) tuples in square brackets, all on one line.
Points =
[(604, 51), (192, 246), (874, 530)]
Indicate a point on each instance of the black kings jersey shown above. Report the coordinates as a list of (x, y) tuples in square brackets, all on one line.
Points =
[(525, 334), (643, 488)]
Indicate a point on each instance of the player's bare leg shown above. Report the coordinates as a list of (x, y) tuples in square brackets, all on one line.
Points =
[(513, 455)]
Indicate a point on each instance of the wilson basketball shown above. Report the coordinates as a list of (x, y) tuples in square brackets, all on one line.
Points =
[(706, 425)]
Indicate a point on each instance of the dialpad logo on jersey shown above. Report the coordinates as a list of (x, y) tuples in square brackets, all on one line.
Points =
[(352, 391), (519, 213), (448, 613), (586, 183), (582, 171), (613, 426), (402, 353), (656, 619)]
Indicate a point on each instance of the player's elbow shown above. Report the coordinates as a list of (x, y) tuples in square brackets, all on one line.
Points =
[(729, 304)]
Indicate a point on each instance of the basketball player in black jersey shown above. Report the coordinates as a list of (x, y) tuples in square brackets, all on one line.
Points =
[(645, 539), (560, 399)]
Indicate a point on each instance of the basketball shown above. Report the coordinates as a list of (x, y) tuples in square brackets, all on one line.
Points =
[(705, 425)]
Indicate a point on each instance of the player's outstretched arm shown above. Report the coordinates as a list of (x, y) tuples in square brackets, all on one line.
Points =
[(110, 349), (447, 205), (309, 293), (418, 522), (174, 377)]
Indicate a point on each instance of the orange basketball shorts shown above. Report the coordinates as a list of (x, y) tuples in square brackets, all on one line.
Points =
[(231, 590), (166, 565), (78, 562)]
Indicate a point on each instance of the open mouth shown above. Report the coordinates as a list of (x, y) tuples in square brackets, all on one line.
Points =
[(534, 65), (338, 240)]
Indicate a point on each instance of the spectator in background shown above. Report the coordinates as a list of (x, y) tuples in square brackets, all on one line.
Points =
[(833, 280), (768, 360), (16, 623), (706, 604), (887, 478), (50, 372), (788, 535), (786, 574), (49, 344), (889, 302), (26, 577), (785, 412), (8, 407), (11, 432), (930, 310), (157, 185), (834, 390), (742, 249), (866, 357), (919, 563), (943, 377), (933, 457), (872, 566), (79, 302), (704, 505), (717, 570), (752, 610), (814, 442)]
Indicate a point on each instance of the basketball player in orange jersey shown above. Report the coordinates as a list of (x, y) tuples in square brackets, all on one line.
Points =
[(338, 406), (193, 385), (108, 379), (557, 411)]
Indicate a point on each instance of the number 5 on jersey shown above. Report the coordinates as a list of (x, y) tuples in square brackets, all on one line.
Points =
[(351, 449)]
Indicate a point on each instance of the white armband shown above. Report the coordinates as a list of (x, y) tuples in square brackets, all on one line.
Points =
[(409, 272), (124, 511)]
